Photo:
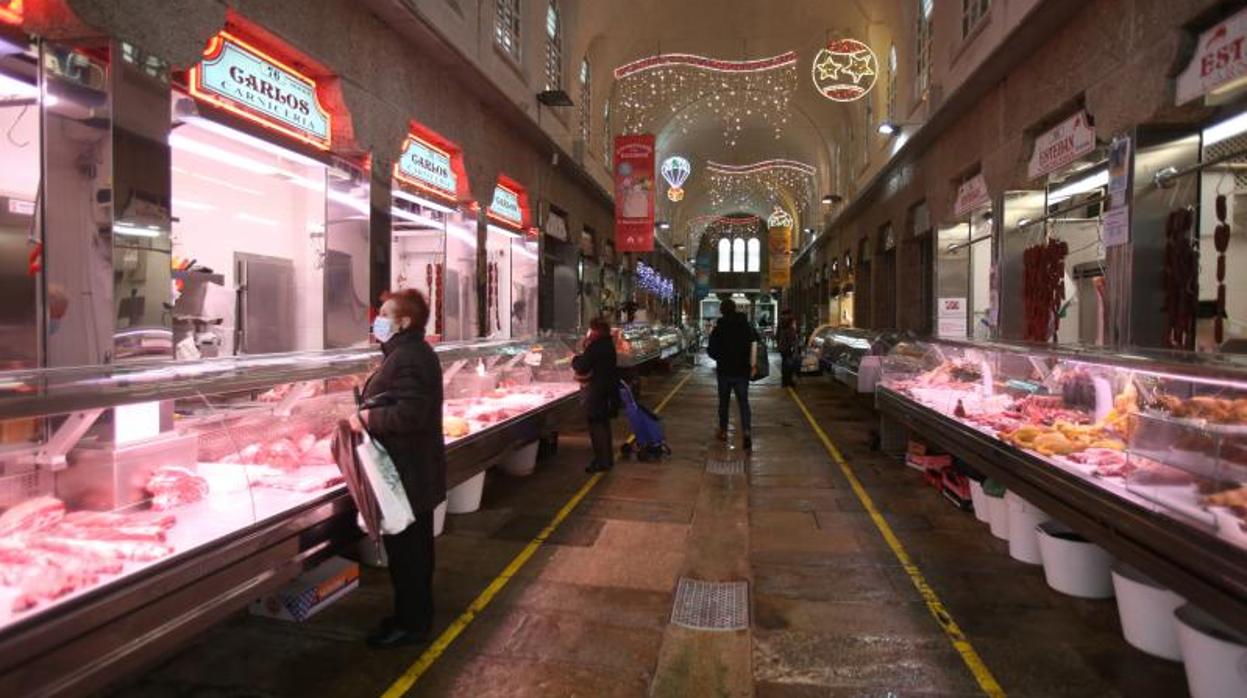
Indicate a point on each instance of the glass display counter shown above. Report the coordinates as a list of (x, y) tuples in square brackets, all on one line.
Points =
[(203, 479), (1147, 450)]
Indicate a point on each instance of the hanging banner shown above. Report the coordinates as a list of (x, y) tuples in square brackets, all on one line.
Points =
[(244, 81), (703, 275), (634, 193), (11, 11), (971, 195), (1219, 66), (1062, 145), (780, 249)]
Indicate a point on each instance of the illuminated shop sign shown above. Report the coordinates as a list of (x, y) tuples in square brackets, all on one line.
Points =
[(1062, 146), (243, 80), (11, 11), (1219, 67), (506, 206), (427, 167)]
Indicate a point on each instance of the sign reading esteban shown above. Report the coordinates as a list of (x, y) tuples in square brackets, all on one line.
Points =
[(241, 79)]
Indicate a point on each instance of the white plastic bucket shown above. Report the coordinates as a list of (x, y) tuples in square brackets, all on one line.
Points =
[(1073, 565), (465, 497), (1215, 655), (1024, 518), (980, 502), (439, 519), (998, 511), (1146, 611), (522, 461)]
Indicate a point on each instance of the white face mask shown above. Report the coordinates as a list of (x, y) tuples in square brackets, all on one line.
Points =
[(382, 328)]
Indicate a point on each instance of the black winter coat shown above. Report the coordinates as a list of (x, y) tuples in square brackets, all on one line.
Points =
[(601, 393), (407, 417), (731, 346)]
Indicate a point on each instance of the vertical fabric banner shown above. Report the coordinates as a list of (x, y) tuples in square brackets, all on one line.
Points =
[(703, 274), (634, 193), (780, 249)]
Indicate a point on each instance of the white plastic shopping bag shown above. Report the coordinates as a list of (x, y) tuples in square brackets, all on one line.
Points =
[(386, 485)]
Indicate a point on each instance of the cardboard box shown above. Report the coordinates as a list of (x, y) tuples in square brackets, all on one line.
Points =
[(311, 592)]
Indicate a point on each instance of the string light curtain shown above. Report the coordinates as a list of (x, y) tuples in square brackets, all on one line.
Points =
[(686, 90), (761, 184), (586, 101)]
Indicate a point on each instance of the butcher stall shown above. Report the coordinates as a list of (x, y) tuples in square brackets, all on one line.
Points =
[(141, 503)]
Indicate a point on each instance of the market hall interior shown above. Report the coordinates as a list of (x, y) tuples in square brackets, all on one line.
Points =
[(971, 261)]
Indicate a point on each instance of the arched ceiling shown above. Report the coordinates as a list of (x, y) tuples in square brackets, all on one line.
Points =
[(693, 125)]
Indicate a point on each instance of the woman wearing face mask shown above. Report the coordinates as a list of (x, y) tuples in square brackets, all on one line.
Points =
[(402, 409), (595, 366)]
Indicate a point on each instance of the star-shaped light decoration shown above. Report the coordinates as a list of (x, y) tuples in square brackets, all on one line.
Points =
[(845, 70)]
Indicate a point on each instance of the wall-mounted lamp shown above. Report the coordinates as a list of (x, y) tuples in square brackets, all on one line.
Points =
[(663, 225), (831, 199), (555, 98), (891, 128)]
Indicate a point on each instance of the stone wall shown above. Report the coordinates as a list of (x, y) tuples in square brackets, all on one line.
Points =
[(1115, 58)]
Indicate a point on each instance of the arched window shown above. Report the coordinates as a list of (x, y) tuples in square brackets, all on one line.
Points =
[(738, 254), (754, 255), (554, 47), (507, 27), (725, 255), (586, 100)]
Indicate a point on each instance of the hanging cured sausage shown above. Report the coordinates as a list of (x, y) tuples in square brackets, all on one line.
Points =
[(1221, 238), (1043, 289), (1179, 279)]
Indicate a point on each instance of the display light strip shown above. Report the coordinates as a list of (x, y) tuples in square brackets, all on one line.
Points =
[(11, 12), (664, 60), (195, 78), (412, 198), (763, 166)]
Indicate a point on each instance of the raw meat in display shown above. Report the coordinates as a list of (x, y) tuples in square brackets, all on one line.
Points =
[(297, 483), (454, 427), (1100, 458), (136, 550), (1215, 410), (105, 519), (319, 453), (174, 486), (282, 454), (1230, 498), (31, 514)]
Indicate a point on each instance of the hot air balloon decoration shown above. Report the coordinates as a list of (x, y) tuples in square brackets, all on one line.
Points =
[(676, 170)]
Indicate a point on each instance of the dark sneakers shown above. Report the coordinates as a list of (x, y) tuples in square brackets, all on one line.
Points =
[(389, 636)]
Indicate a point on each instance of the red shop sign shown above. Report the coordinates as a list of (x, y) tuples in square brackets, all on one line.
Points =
[(634, 193), (1219, 65), (11, 11), (1062, 145), (432, 164), (510, 205)]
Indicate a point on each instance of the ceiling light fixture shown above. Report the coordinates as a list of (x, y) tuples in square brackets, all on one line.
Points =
[(831, 199)]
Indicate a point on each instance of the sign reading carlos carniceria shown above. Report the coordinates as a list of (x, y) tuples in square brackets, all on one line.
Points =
[(425, 165), (241, 79)]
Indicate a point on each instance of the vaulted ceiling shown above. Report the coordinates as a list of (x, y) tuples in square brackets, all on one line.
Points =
[(725, 117)]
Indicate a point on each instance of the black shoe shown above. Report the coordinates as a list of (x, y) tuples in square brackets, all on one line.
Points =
[(385, 638), (748, 443)]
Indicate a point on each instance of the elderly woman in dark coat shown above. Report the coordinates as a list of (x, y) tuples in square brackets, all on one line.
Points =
[(596, 367), (402, 409)]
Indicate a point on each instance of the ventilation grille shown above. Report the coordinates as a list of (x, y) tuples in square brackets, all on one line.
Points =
[(701, 605)]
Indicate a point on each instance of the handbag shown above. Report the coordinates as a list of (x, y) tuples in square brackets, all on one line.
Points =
[(386, 485), (761, 362)]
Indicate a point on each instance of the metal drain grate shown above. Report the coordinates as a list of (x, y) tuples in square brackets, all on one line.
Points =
[(711, 605), (725, 466)]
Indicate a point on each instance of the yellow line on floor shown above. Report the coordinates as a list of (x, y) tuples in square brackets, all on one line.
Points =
[(945, 620), (440, 645)]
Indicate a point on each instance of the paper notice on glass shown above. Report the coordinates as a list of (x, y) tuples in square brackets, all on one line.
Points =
[(1117, 227), (1118, 171), (952, 327)]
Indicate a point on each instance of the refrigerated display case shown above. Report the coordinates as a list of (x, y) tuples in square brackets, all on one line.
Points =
[(1141, 451), (670, 341), (636, 345), (140, 503)]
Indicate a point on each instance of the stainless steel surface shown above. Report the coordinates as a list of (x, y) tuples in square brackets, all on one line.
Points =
[(1164, 176), (1010, 324), (78, 205), (1136, 297), (266, 304), (20, 191), (346, 257), (107, 477), (142, 224)]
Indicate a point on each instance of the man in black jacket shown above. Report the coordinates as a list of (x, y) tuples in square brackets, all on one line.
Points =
[(596, 365), (731, 347), (402, 409)]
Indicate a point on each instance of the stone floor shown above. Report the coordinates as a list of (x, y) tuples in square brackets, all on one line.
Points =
[(832, 611)]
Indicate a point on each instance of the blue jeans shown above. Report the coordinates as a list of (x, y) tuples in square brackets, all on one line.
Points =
[(740, 386)]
